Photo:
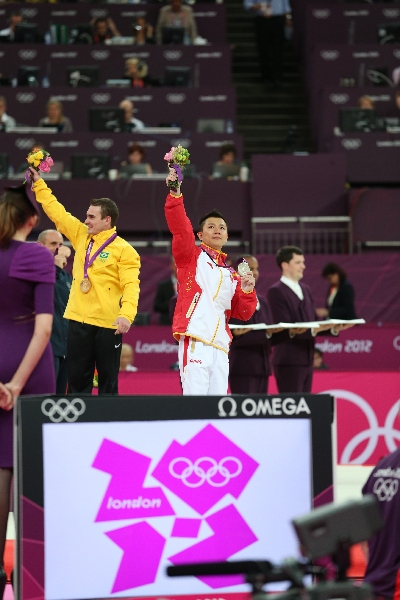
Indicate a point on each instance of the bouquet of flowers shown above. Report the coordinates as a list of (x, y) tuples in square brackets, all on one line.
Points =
[(177, 158), (39, 160)]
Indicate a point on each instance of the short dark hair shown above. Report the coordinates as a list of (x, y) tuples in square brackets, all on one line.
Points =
[(226, 148), (15, 210), (108, 208), (136, 147), (333, 268), (285, 254), (213, 213)]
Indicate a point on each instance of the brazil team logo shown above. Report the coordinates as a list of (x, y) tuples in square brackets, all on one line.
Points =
[(103, 256)]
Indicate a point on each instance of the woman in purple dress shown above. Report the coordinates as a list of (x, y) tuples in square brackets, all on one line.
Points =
[(27, 277)]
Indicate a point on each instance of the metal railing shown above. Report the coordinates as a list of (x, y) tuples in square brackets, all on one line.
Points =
[(314, 235), (377, 245)]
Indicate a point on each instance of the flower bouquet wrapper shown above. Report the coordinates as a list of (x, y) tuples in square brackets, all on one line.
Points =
[(177, 158)]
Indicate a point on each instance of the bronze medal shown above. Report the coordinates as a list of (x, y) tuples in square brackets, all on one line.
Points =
[(85, 285)]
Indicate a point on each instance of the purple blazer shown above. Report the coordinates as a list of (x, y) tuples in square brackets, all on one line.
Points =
[(286, 307), (249, 354)]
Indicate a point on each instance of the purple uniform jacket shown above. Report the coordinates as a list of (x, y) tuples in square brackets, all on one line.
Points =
[(384, 547), (286, 307), (249, 353)]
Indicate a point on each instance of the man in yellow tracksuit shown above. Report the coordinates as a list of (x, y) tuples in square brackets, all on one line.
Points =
[(104, 293)]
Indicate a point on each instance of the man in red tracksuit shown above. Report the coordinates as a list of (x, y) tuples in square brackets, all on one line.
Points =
[(209, 293)]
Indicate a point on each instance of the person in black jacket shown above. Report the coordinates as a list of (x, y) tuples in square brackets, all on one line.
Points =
[(166, 290), (340, 297), (53, 240)]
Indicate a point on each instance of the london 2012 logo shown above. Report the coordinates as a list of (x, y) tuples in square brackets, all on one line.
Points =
[(195, 477)]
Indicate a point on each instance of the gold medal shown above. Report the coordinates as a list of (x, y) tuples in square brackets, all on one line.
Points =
[(85, 285)]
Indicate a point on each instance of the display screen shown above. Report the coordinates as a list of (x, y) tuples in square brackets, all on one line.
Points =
[(124, 500)]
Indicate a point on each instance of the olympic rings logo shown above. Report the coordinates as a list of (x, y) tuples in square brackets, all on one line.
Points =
[(385, 489), (63, 409), (205, 475), (372, 434)]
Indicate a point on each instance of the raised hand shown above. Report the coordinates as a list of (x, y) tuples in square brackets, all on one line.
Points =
[(6, 397), (123, 325), (247, 282), (173, 177)]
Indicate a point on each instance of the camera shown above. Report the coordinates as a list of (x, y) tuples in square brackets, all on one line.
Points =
[(329, 530)]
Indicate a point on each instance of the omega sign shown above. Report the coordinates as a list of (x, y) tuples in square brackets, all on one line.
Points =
[(228, 407)]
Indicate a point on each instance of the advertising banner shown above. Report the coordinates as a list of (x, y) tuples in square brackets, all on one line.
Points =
[(113, 491)]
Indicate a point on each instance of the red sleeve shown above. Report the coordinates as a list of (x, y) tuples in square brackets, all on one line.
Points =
[(243, 304), (183, 240)]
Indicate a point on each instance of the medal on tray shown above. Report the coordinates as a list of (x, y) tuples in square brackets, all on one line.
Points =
[(243, 268)]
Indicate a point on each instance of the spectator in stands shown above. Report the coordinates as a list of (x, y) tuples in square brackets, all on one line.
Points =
[(340, 297), (126, 360), (5, 120), (8, 34), (319, 364), (397, 98), (137, 71), (143, 32), (365, 102), (131, 124), (226, 167), (134, 164), (166, 289), (177, 15), (55, 117), (104, 29), (270, 19), (227, 154)]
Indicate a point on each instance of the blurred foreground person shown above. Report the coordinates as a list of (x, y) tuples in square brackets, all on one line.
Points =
[(383, 549), (27, 277)]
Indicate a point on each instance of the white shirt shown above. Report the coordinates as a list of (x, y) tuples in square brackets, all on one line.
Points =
[(7, 121), (137, 123), (294, 286)]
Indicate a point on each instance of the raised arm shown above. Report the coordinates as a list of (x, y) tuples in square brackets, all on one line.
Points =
[(183, 240), (67, 224)]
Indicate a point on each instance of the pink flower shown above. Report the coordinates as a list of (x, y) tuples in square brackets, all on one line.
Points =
[(170, 155), (49, 161), (44, 166)]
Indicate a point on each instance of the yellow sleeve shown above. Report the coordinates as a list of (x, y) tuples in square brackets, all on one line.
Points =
[(68, 225), (128, 268)]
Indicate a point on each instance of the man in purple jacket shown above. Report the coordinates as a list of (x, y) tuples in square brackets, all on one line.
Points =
[(290, 302), (249, 354)]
